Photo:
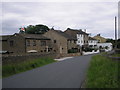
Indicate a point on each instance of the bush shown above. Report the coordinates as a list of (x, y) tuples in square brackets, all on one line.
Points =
[(95, 50), (88, 49), (72, 51)]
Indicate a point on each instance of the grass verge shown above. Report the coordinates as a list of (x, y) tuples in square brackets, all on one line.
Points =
[(102, 73), (116, 55), (11, 69)]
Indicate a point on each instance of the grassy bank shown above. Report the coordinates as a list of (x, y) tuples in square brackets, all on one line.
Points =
[(116, 55), (102, 73), (11, 69)]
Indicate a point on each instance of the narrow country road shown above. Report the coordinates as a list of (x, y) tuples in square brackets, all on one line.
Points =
[(69, 73)]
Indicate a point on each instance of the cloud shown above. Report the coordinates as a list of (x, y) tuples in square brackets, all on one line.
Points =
[(60, 0), (93, 16)]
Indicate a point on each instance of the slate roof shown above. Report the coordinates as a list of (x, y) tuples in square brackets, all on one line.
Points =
[(5, 37), (78, 31), (90, 38), (34, 36), (65, 35)]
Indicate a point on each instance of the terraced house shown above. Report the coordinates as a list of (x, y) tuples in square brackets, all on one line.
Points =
[(81, 36), (25, 43), (63, 42)]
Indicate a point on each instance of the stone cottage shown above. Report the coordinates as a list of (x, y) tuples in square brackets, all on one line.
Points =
[(82, 37), (100, 38), (62, 42), (25, 43)]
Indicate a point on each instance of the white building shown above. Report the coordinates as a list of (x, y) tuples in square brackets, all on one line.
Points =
[(106, 46), (92, 42), (82, 38)]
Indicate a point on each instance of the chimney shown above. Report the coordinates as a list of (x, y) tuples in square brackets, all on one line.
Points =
[(68, 28), (52, 28), (98, 34), (84, 30)]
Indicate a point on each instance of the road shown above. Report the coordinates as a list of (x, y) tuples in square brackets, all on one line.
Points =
[(69, 73)]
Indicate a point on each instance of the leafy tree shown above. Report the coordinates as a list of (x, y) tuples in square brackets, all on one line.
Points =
[(37, 29), (113, 42)]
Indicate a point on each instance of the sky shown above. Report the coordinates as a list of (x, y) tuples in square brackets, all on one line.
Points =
[(95, 17)]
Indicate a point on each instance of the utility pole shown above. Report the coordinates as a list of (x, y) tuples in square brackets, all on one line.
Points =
[(115, 32)]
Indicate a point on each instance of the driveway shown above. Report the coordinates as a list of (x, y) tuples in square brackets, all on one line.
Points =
[(69, 73)]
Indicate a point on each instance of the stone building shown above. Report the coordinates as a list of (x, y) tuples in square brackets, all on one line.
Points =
[(82, 37), (25, 43), (62, 42), (100, 38)]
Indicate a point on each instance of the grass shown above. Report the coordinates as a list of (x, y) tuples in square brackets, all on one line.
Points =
[(11, 69), (102, 73), (116, 55)]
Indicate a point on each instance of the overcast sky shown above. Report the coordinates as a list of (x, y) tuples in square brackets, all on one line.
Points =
[(95, 17)]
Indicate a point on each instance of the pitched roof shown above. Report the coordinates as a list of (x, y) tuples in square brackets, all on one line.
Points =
[(65, 35), (90, 38), (34, 36), (73, 32), (5, 37), (77, 31)]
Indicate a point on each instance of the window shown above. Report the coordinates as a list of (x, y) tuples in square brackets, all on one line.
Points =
[(28, 43), (43, 43), (90, 46), (74, 41), (54, 41), (34, 42), (11, 43), (78, 41)]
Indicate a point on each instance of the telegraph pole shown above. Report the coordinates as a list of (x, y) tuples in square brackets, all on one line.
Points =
[(115, 32)]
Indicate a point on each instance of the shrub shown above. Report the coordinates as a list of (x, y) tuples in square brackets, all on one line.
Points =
[(72, 51), (88, 49)]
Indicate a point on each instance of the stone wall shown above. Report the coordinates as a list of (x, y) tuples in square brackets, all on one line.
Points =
[(8, 59), (12, 59), (70, 54)]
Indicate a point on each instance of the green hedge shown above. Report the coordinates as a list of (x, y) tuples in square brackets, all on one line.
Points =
[(72, 51)]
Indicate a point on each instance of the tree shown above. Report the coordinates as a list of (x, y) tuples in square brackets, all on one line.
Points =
[(37, 29)]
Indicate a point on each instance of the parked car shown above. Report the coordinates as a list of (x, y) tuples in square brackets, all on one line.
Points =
[(5, 52)]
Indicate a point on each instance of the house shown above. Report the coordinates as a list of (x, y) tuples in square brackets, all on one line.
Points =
[(4, 44), (100, 38), (82, 37), (92, 42), (62, 42), (25, 43)]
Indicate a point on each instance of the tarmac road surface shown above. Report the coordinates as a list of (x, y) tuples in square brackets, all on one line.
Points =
[(69, 73)]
